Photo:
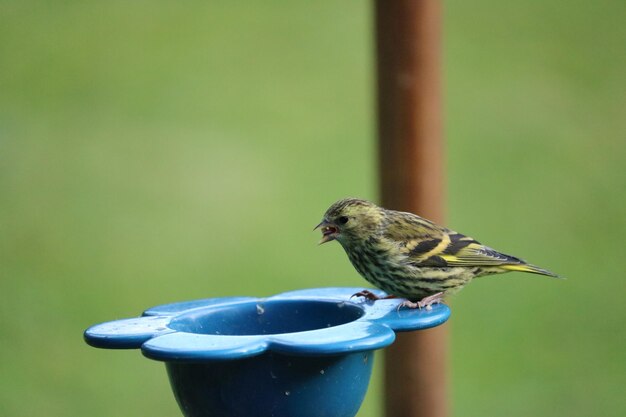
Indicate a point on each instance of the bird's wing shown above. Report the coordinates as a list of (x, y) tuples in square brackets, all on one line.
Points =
[(427, 244), (475, 254)]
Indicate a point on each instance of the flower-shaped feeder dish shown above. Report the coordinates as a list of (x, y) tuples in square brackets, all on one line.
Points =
[(302, 353)]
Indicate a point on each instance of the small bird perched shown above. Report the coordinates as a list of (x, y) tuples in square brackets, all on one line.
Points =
[(408, 256)]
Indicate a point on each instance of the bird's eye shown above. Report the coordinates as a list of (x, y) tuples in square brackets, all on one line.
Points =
[(343, 220)]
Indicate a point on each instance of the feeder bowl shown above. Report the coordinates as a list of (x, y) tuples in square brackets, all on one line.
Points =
[(304, 353)]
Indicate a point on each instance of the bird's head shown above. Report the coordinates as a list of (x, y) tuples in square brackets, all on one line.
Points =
[(350, 220)]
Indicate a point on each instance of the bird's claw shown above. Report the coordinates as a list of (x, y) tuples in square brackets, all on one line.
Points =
[(368, 295), (425, 303)]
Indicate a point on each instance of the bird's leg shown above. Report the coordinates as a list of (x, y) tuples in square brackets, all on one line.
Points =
[(425, 302), (371, 296)]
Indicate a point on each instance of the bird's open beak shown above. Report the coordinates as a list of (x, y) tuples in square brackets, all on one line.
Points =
[(329, 231)]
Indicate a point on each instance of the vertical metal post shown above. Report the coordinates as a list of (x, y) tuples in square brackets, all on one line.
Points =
[(408, 38)]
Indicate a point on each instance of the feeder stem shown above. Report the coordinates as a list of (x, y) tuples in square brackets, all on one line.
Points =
[(408, 49)]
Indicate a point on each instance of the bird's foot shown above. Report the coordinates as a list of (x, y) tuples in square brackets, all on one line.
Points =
[(425, 302), (368, 295)]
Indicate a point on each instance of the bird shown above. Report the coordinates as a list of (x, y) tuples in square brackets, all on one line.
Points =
[(410, 257)]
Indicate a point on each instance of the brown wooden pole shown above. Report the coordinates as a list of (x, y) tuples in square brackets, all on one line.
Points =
[(408, 38)]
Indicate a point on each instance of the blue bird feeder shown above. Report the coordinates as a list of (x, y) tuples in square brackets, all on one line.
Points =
[(303, 353)]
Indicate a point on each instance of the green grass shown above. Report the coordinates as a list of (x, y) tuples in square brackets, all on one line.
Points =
[(156, 151)]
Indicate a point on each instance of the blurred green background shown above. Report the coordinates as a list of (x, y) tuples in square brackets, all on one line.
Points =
[(153, 151)]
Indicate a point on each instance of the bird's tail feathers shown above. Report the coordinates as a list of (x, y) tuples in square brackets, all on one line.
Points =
[(529, 268)]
